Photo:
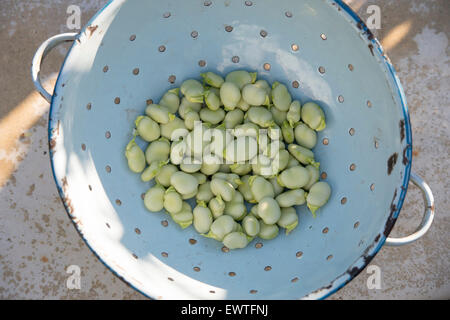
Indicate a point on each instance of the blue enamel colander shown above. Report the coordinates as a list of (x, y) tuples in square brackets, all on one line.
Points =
[(133, 51)]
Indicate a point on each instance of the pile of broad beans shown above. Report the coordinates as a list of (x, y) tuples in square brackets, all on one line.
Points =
[(225, 142)]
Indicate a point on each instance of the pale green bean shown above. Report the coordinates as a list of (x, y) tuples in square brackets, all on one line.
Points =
[(210, 164), (233, 118), (244, 189), (212, 100), (251, 226), (186, 105), (281, 97), (237, 210), (267, 231), (318, 196), (158, 150), (159, 113), (154, 198), (201, 178), (152, 171), (230, 95), (288, 132), (277, 189), (184, 183), (222, 188), (294, 114), (305, 156), (172, 201), (171, 100), (240, 78), (288, 219), (260, 188), (163, 175), (313, 116), (241, 168), (213, 79), (217, 206), (174, 129), (278, 116), (222, 226), (313, 176), (269, 210), (291, 198), (305, 136), (235, 240), (212, 116), (204, 192), (260, 116), (147, 129), (190, 118), (254, 95), (135, 157), (177, 152), (192, 90), (294, 178), (202, 218)]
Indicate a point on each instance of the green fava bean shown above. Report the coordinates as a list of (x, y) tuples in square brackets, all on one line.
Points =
[(158, 150), (262, 166), (241, 77), (318, 196), (280, 161), (305, 156), (254, 211), (222, 226), (260, 188), (190, 118), (276, 186), (263, 84), (230, 95), (212, 100), (260, 116), (292, 162), (237, 210), (241, 168), (202, 218), (230, 177), (183, 218), (278, 116), (189, 195), (244, 189), (220, 138), (233, 118), (184, 183), (164, 173), (214, 80), (210, 164), (288, 132), (217, 207), (294, 113), (281, 97), (159, 113), (254, 95), (267, 231), (235, 240), (212, 116), (172, 201), (241, 149), (174, 129), (251, 226), (177, 152), (288, 219), (291, 198), (204, 192), (154, 198), (171, 100), (152, 171), (294, 178), (313, 116), (222, 188), (135, 157), (274, 132), (305, 136), (269, 210), (192, 90), (225, 168), (244, 106), (190, 165), (147, 128), (201, 178), (186, 106), (247, 129), (313, 176)]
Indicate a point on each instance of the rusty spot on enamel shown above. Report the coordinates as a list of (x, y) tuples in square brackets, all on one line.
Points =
[(392, 161), (402, 130), (92, 30)]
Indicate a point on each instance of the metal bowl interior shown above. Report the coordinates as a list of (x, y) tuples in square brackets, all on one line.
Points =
[(135, 50)]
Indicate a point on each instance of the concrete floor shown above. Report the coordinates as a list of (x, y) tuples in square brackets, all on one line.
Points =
[(38, 242)]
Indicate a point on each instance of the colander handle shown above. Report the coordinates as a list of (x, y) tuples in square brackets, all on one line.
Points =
[(427, 217), (40, 54)]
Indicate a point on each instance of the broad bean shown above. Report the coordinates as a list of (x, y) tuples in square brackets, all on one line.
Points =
[(202, 218), (154, 198), (269, 210), (159, 113), (212, 79), (147, 129), (158, 150), (230, 95), (184, 183), (318, 196), (240, 78), (192, 90), (288, 219), (291, 198), (171, 100), (313, 116), (281, 97), (135, 157), (305, 136), (235, 240), (294, 178)]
